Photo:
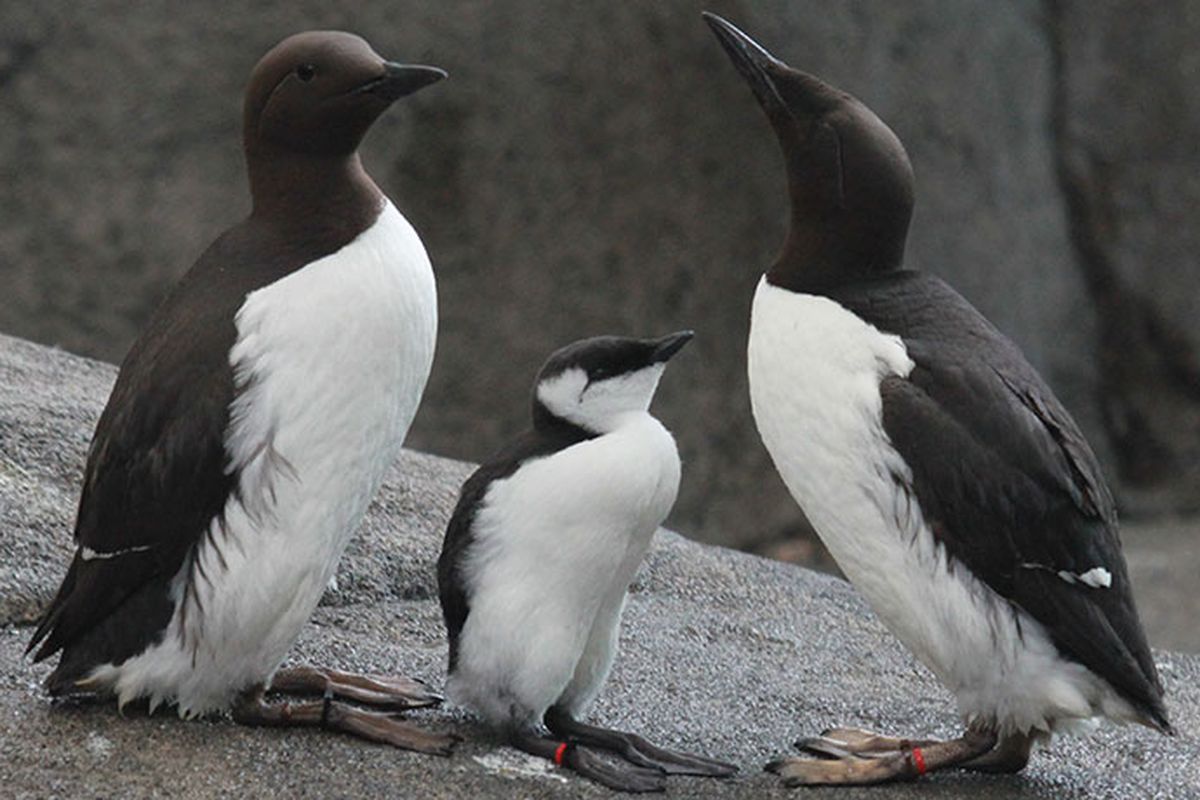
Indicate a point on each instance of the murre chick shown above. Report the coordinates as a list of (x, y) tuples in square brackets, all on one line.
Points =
[(951, 486), (252, 421), (540, 551)]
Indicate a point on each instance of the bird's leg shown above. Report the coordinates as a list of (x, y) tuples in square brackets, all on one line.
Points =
[(251, 708), (384, 691), (618, 777), (634, 748), (842, 742), (1010, 755), (882, 767)]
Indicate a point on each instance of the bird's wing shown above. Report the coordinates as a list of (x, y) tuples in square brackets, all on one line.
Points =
[(156, 472), (158, 476), (1008, 484), (453, 588)]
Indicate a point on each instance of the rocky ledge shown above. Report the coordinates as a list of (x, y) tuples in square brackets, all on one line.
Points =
[(721, 652)]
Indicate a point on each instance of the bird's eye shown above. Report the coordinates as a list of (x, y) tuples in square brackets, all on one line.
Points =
[(306, 72)]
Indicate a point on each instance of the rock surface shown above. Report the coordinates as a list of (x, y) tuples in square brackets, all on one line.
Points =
[(721, 652), (1126, 122), (600, 168), (1163, 564)]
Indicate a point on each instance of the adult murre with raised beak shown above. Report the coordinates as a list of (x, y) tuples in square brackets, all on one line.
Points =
[(948, 482), (252, 421), (540, 551)]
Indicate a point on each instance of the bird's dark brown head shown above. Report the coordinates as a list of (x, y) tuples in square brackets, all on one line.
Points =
[(309, 102), (318, 92), (849, 178)]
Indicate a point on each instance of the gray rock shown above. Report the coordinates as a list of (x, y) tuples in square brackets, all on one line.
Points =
[(1129, 116), (722, 652), (591, 168), (1163, 564)]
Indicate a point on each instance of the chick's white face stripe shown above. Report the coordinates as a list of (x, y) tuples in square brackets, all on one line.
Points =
[(597, 405)]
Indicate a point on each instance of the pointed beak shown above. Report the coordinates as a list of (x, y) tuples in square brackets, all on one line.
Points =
[(400, 80), (752, 61), (668, 346)]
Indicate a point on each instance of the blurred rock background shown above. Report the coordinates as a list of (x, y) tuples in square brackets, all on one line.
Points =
[(600, 167)]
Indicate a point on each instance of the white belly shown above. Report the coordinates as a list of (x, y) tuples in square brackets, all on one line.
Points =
[(814, 372), (556, 547), (330, 364)]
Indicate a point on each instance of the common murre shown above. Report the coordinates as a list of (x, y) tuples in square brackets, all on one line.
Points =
[(948, 482), (252, 421)]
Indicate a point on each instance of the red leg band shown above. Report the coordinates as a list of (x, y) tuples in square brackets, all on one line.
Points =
[(918, 761), (562, 751)]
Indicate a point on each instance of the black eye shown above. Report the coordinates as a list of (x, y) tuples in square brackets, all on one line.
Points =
[(305, 72)]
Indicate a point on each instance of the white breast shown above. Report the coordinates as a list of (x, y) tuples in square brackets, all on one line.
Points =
[(814, 371), (330, 363), (556, 546)]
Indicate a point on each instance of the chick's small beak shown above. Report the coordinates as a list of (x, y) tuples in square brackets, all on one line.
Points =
[(670, 345)]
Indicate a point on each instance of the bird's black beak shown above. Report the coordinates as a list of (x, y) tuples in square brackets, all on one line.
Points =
[(399, 80), (669, 345), (752, 60)]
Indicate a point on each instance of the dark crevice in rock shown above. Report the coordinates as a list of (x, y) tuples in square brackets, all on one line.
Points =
[(15, 56), (1149, 371)]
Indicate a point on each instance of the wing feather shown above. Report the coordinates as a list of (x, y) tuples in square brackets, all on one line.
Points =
[(453, 585), (1006, 480), (155, 476)]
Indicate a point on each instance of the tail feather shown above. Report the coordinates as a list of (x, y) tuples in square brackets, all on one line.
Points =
[(1156, 717), (47, 633)]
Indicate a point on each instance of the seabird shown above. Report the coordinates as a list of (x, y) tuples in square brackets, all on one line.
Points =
[(951, 486), (252, 422), (540, 551)]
